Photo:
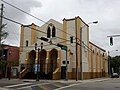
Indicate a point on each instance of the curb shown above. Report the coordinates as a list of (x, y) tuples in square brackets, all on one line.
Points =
[(69, 81)]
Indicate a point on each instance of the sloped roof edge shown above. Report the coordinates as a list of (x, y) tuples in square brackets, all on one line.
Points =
[(97, 46)]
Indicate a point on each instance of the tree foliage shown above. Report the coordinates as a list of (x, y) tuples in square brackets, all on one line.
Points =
[(115, 63)]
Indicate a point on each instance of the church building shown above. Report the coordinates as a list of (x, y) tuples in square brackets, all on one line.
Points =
[(60, 51)]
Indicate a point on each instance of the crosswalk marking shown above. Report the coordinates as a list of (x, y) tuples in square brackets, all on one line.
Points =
[(17, 85), (33, 86), (66, 86), (26, 87)]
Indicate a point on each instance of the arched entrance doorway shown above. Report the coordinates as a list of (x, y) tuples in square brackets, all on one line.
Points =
[(52, 63), (42, 61), (32, 57)]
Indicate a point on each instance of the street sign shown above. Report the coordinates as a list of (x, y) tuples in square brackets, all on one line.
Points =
[(64, 48)]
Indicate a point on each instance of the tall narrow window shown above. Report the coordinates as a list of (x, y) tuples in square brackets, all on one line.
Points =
[(103, 55), (53, 31), (48, 32), (26, 43), (35, 46)]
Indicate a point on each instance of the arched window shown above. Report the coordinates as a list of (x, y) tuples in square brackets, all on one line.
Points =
[(53, 31), (48, 32)]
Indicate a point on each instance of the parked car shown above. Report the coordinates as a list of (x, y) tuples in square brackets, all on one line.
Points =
[(115, 75)]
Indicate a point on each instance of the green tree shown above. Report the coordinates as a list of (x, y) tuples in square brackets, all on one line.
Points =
[(115, 63)]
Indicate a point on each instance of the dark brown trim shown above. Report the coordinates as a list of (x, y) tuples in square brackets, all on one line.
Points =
[(97, 46), (70, 19)]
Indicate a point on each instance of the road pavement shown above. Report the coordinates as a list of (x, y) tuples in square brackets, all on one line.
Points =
[(25, 84), (110, 84)]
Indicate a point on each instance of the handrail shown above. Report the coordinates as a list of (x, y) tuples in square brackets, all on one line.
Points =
[(56, 70), (23, 72)]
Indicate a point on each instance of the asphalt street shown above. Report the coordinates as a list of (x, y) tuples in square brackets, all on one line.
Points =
[(110, 84), (91, 84)]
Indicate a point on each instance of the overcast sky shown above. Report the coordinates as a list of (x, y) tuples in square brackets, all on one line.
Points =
[(107, 12)]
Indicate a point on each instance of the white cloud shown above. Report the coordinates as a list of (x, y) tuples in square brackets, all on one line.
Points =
[(105, 11), (16, 15)]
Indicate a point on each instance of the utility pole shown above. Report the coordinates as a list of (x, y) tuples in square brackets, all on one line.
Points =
[(81, 72), (76, 51), (1, 51), (108, 64), (82, 42), (1, 26), (1, 22)]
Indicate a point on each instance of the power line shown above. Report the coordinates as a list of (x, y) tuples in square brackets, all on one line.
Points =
[(33, 16), (28, 26), (36, 29), (12, 27), (37, 19), (22, 11)]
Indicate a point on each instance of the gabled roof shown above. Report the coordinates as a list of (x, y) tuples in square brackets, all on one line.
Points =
[(51, 21)]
